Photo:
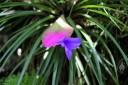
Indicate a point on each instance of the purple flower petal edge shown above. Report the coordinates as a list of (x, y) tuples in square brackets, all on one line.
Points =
[(69, 44)]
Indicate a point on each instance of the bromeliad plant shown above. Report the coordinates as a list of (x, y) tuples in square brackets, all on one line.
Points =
[(90, 33), (60, 33)]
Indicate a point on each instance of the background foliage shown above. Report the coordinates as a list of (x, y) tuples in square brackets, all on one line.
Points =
[(102, 26)]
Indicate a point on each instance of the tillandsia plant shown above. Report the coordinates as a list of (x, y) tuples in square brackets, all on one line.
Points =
[(71, 42), (59, 33)]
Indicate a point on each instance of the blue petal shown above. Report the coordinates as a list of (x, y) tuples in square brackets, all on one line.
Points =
[(62, 42), (68, 53), (69, 44), (72, 43)]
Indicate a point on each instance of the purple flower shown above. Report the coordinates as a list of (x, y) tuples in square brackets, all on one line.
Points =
[(59, 34), (69, 44)]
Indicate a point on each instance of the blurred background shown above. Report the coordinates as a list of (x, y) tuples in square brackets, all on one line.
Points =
[(102, 59)]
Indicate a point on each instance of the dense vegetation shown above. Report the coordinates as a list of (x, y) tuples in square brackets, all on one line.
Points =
[(102, 59)]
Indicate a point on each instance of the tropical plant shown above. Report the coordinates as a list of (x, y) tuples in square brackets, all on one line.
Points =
[(101, 25), (13, 79)]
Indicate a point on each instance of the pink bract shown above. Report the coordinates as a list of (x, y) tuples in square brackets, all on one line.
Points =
[(57, 31), (52, 38)]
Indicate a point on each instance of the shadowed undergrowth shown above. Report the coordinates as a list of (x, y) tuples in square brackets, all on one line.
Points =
[(102, 26)]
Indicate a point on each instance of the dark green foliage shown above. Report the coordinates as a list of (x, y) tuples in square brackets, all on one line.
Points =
[(2, 81), (102, 59), (13, 79)]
